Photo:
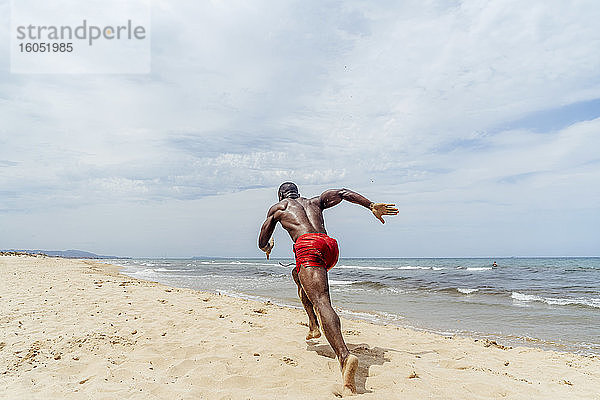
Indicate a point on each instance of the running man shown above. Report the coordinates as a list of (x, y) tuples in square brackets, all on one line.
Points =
[(316, 253)]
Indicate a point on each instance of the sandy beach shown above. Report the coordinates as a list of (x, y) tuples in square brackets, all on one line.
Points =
[(73, 329)]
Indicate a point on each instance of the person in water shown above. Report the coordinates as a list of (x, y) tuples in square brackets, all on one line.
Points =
[(316, 253)]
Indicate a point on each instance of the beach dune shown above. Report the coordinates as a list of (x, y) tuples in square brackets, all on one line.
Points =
[(73, 329)]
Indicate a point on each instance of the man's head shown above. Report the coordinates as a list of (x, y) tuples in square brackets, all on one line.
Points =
[(288, 190)]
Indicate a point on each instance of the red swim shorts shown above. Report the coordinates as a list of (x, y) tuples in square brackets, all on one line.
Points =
[(316, 250)]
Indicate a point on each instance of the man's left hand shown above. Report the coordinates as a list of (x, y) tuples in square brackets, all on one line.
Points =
[(380, 209)]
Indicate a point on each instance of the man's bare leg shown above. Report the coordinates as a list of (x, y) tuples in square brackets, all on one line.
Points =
[(315, 285), (313, 324)]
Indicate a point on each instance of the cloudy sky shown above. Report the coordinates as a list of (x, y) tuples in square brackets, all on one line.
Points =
[(480, 121)]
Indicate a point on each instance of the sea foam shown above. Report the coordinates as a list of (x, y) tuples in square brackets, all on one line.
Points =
[(362, 267), (336, 282), (467, 291), (595, 302)]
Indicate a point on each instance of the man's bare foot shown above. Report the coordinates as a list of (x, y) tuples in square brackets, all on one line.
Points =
[(313, 334), (348, 372)]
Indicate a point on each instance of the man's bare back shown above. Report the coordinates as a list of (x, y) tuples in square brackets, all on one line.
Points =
[(299, 215), (302, 218)]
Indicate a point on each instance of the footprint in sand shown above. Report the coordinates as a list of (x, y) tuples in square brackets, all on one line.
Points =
[(290, 361)]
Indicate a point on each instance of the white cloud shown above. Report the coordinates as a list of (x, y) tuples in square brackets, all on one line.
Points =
[(404, 101)]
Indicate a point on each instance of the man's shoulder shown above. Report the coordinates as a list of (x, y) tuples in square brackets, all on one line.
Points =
[(314, 201), (279, 206)]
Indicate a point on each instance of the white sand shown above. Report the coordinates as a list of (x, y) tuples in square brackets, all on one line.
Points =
[(77, 329)]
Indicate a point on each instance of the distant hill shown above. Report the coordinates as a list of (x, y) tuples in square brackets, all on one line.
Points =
[(64, 253)]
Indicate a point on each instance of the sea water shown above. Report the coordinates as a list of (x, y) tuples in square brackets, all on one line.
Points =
[(546, 302)]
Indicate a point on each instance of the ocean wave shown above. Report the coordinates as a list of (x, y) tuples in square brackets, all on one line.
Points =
[(336, 282), (370, 284), (411, 267), (357, 314), (557, 301), (359, 284), (373, 316), (363, 267), (525, 297), (144, 273), (169, 270), (117, 263), (240, 295), (264, 274), (479, 268), (395, 290), (467, 291), (240, 263)]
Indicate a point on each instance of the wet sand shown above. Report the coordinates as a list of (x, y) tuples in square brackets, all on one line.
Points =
[(74, 329)]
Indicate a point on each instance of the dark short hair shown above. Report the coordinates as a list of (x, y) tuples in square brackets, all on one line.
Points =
[(288, 189)]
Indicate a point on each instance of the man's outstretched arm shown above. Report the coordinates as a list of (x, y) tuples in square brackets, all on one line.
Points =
[(332, 197)]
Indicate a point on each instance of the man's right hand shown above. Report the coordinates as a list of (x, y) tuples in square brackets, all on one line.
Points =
[(380, 209), (267, 249)]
